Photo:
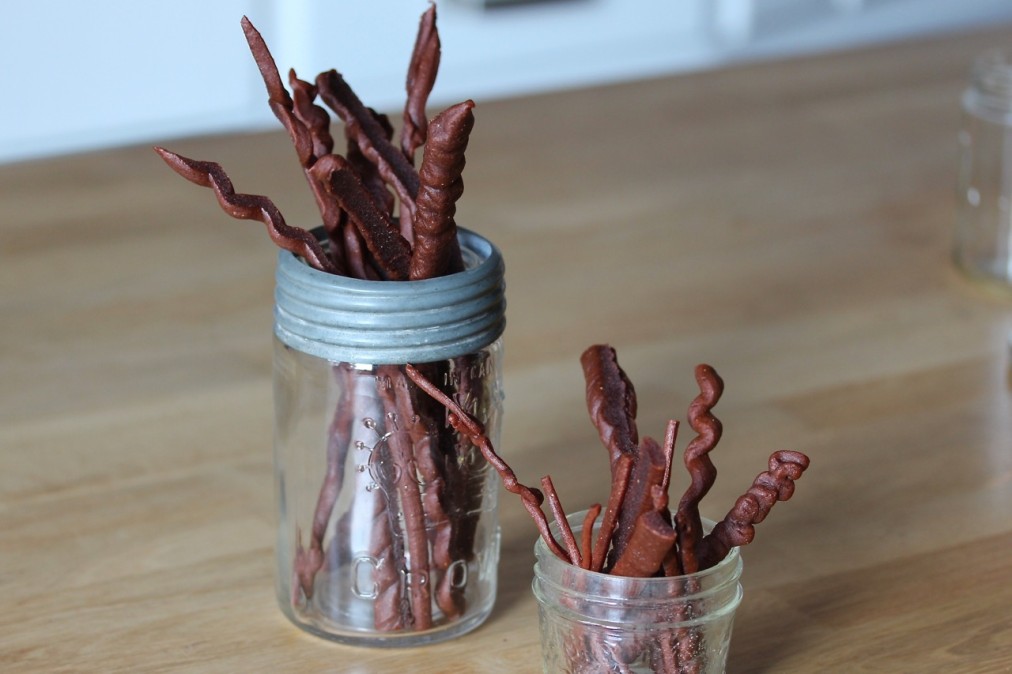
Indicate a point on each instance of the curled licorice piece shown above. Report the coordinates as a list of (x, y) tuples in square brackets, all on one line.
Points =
[(611, 401), (464, 423), (250, 207), (421, 77), (386, 245), (361, 123), (697, 461), (436, 251), (737, 528)]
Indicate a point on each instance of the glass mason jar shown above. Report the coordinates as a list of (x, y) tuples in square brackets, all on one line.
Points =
[(388, 528), (982, 247), (596, 623)]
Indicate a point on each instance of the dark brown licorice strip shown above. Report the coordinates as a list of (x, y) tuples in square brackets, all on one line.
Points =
[(697, 461), (467, 425), (421, 78), (386, 245), (361, 123), (436, 251), (250, 207)]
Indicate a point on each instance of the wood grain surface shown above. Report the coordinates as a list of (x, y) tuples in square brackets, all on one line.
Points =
[(786, 222)]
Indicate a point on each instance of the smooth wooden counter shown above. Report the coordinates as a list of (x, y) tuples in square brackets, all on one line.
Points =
[(786, 222)]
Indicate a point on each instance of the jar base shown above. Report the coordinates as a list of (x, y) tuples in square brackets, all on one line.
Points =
[(371, 639)]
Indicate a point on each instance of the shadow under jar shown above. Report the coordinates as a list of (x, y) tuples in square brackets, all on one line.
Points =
[(593, 623), (388, 528)]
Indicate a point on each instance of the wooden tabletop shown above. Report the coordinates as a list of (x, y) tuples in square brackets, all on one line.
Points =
[(787, 223)]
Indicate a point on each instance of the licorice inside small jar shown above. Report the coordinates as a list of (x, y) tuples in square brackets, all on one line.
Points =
[(596, 622)]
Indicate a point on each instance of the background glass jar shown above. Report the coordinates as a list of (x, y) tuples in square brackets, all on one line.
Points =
[(387, 518), (982, 247), (596, 622)]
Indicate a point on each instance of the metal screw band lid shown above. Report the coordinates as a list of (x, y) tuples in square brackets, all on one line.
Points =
[(352, 320)]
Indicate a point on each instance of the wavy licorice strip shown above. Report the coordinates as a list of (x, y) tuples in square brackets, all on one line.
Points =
[(250, 207), (697, 461)]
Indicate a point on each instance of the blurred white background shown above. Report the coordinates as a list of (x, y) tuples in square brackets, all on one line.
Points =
[(83, 75)]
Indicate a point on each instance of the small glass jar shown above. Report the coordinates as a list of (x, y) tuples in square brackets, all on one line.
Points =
[(596, 623), (982, 246), (388, 529)]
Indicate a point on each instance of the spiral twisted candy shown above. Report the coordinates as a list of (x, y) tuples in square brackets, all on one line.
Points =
[(738, 526), (436, 251), (697, 461), (250, 207)]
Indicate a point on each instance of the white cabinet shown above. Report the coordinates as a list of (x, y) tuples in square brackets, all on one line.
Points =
[(78, 75)]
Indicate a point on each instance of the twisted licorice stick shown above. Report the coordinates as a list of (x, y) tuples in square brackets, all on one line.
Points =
[(405, 481), (737, 528), (559, 514), (250, 207), (697, 461), (439, 526), (611, 401), (464, 423), (436, 251), (278, 98), (308, 562), (307, 130), (421, 77)]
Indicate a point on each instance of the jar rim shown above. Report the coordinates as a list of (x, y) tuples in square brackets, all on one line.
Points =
[(731, 564), (345, 319)]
